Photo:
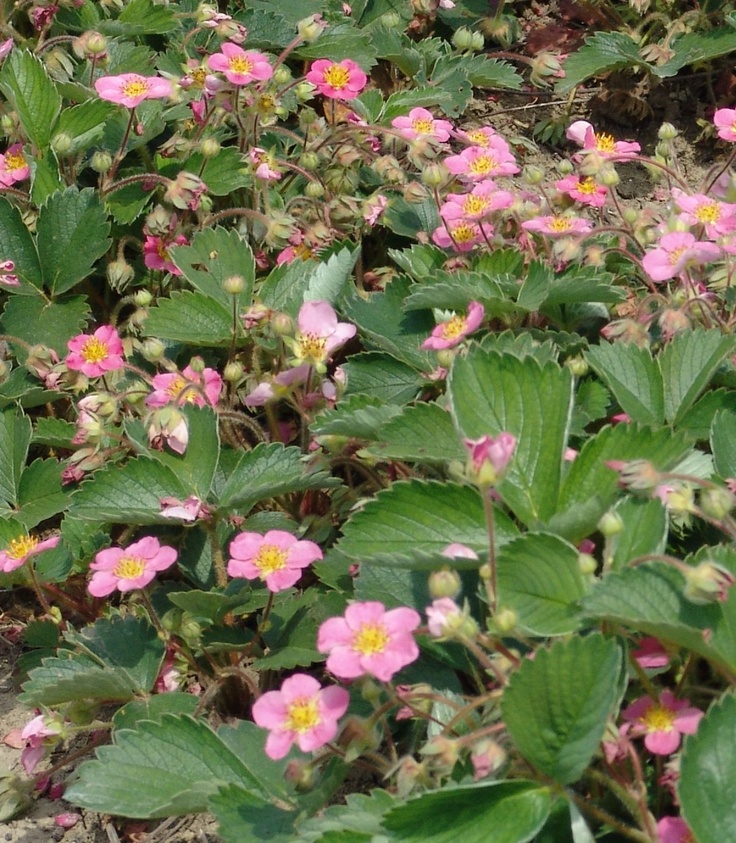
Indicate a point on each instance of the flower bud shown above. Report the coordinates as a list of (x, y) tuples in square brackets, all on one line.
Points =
[(587, 564), (462, 39), (444, 583), (301, 774), (488, 458), (309, 29), (487, 757), (639, 475), (101, 161), (309, 161), (443, 751), (233, 285), (533, 175), (565, 167), (607, 176), (505, 620), (62, 143), (708, 582), (282, 325), (90, 45), (152, 350), (667, 132), (209, 147), (142, 298), (280, 229), (304, 91), (414, 193), (578, 366), (282, 75), (314, 190), (197, 364), (610, 524), (716, 502), (434, 175), (390, 20), (233, 372)]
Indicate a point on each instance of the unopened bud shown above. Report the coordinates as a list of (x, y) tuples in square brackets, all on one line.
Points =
[(667, 132), (101, 161), (142, 298), (444, 583), (119, 274), (304, 91), (610, 524), (414, 193), (565, 167), (153, 350), (282, 75), (505, 620), (233, 372), (301, 774), (630, 216), (434, 175), (716, 502), (608, 176), (390, 19), (309, 29), (282, 324), (578, 366), (639, 475), (314, 190), (197, 364), (707, 583), (533, 175), (62, 143), (209, 147), (462, 39), (233, 285), (587, 564), (309, 161)]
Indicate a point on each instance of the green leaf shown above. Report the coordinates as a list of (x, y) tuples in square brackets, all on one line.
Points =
[(153, 708), (381, 376), (129, 494), (645, 526), (143, 17), (40, 494), (341, 42), (423, 516), (32, 94), (697, 47), (723, 443), (383, 322), (120, 658), (707, 772), (698, 419), (19, 246), (72, 234), (267, 471), (224, 173), (357, 417), (539, 578), (634, 378), (243, 816), (161, 769), (15, 437), (590, 486), (423, 432), (602, 52), (515, 810), (688, 362), (46, 178), (420, 261), (31, 319), (556, 706), (84, 123), (214, 255), (408, 219), (195, 468), (485, 72), (491, 393), (361, 813), (54, 433), (649, 599), (190, 317)]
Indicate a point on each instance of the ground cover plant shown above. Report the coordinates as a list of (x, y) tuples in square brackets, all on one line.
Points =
[(367, 484)]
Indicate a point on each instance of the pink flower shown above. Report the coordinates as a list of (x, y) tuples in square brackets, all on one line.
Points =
[(662, 723), (189, 387), (725, 121), (461, 235), (488, 457), (558, 226), (718, 218), (480, 136), (675, 252), (67, 820), (241, 66), (188, 510), (584, 190), (477, 163), (420, 123), (156, 253), (482, 200), (319, 334), (674, 830), (651, 654), (130, 89), (459, 551), (14, 166), (94, 355), (263, 163), (278, 386), (444, 617), (5, 48), (583, 133), (167, 424), (449, 334), (130, 568), (369, 639), (374, 208), (302, 712), (22, 548), (40, 734), (277, 558), (337, 80)]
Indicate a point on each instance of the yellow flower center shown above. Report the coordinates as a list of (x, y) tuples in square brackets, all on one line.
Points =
[(605, 143), (454, 328), (478, 137), (266, 104), (182, 390), (337, 77), (559, 224), (423, 127), (20, 547), (475, 204), (676, 254), (587, 186), (240, 64), (302, 715), (269, 559), (371, 638), (94, 350), (311, 347), (15, 161), (135, 88), (199, 75), (303, 251), (463, 233), (129, 567), (708, 212), (483, 165), (657, 718)]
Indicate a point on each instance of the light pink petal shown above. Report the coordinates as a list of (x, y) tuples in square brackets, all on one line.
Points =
[(687, 721), (278, 744), (370, 611), (334, 632), (662, 743), (299, 685), (245, 546), (345, 663), (283, 579), (318, 736), (402, 620), (318, 318), (269, 710), (102, 584)]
